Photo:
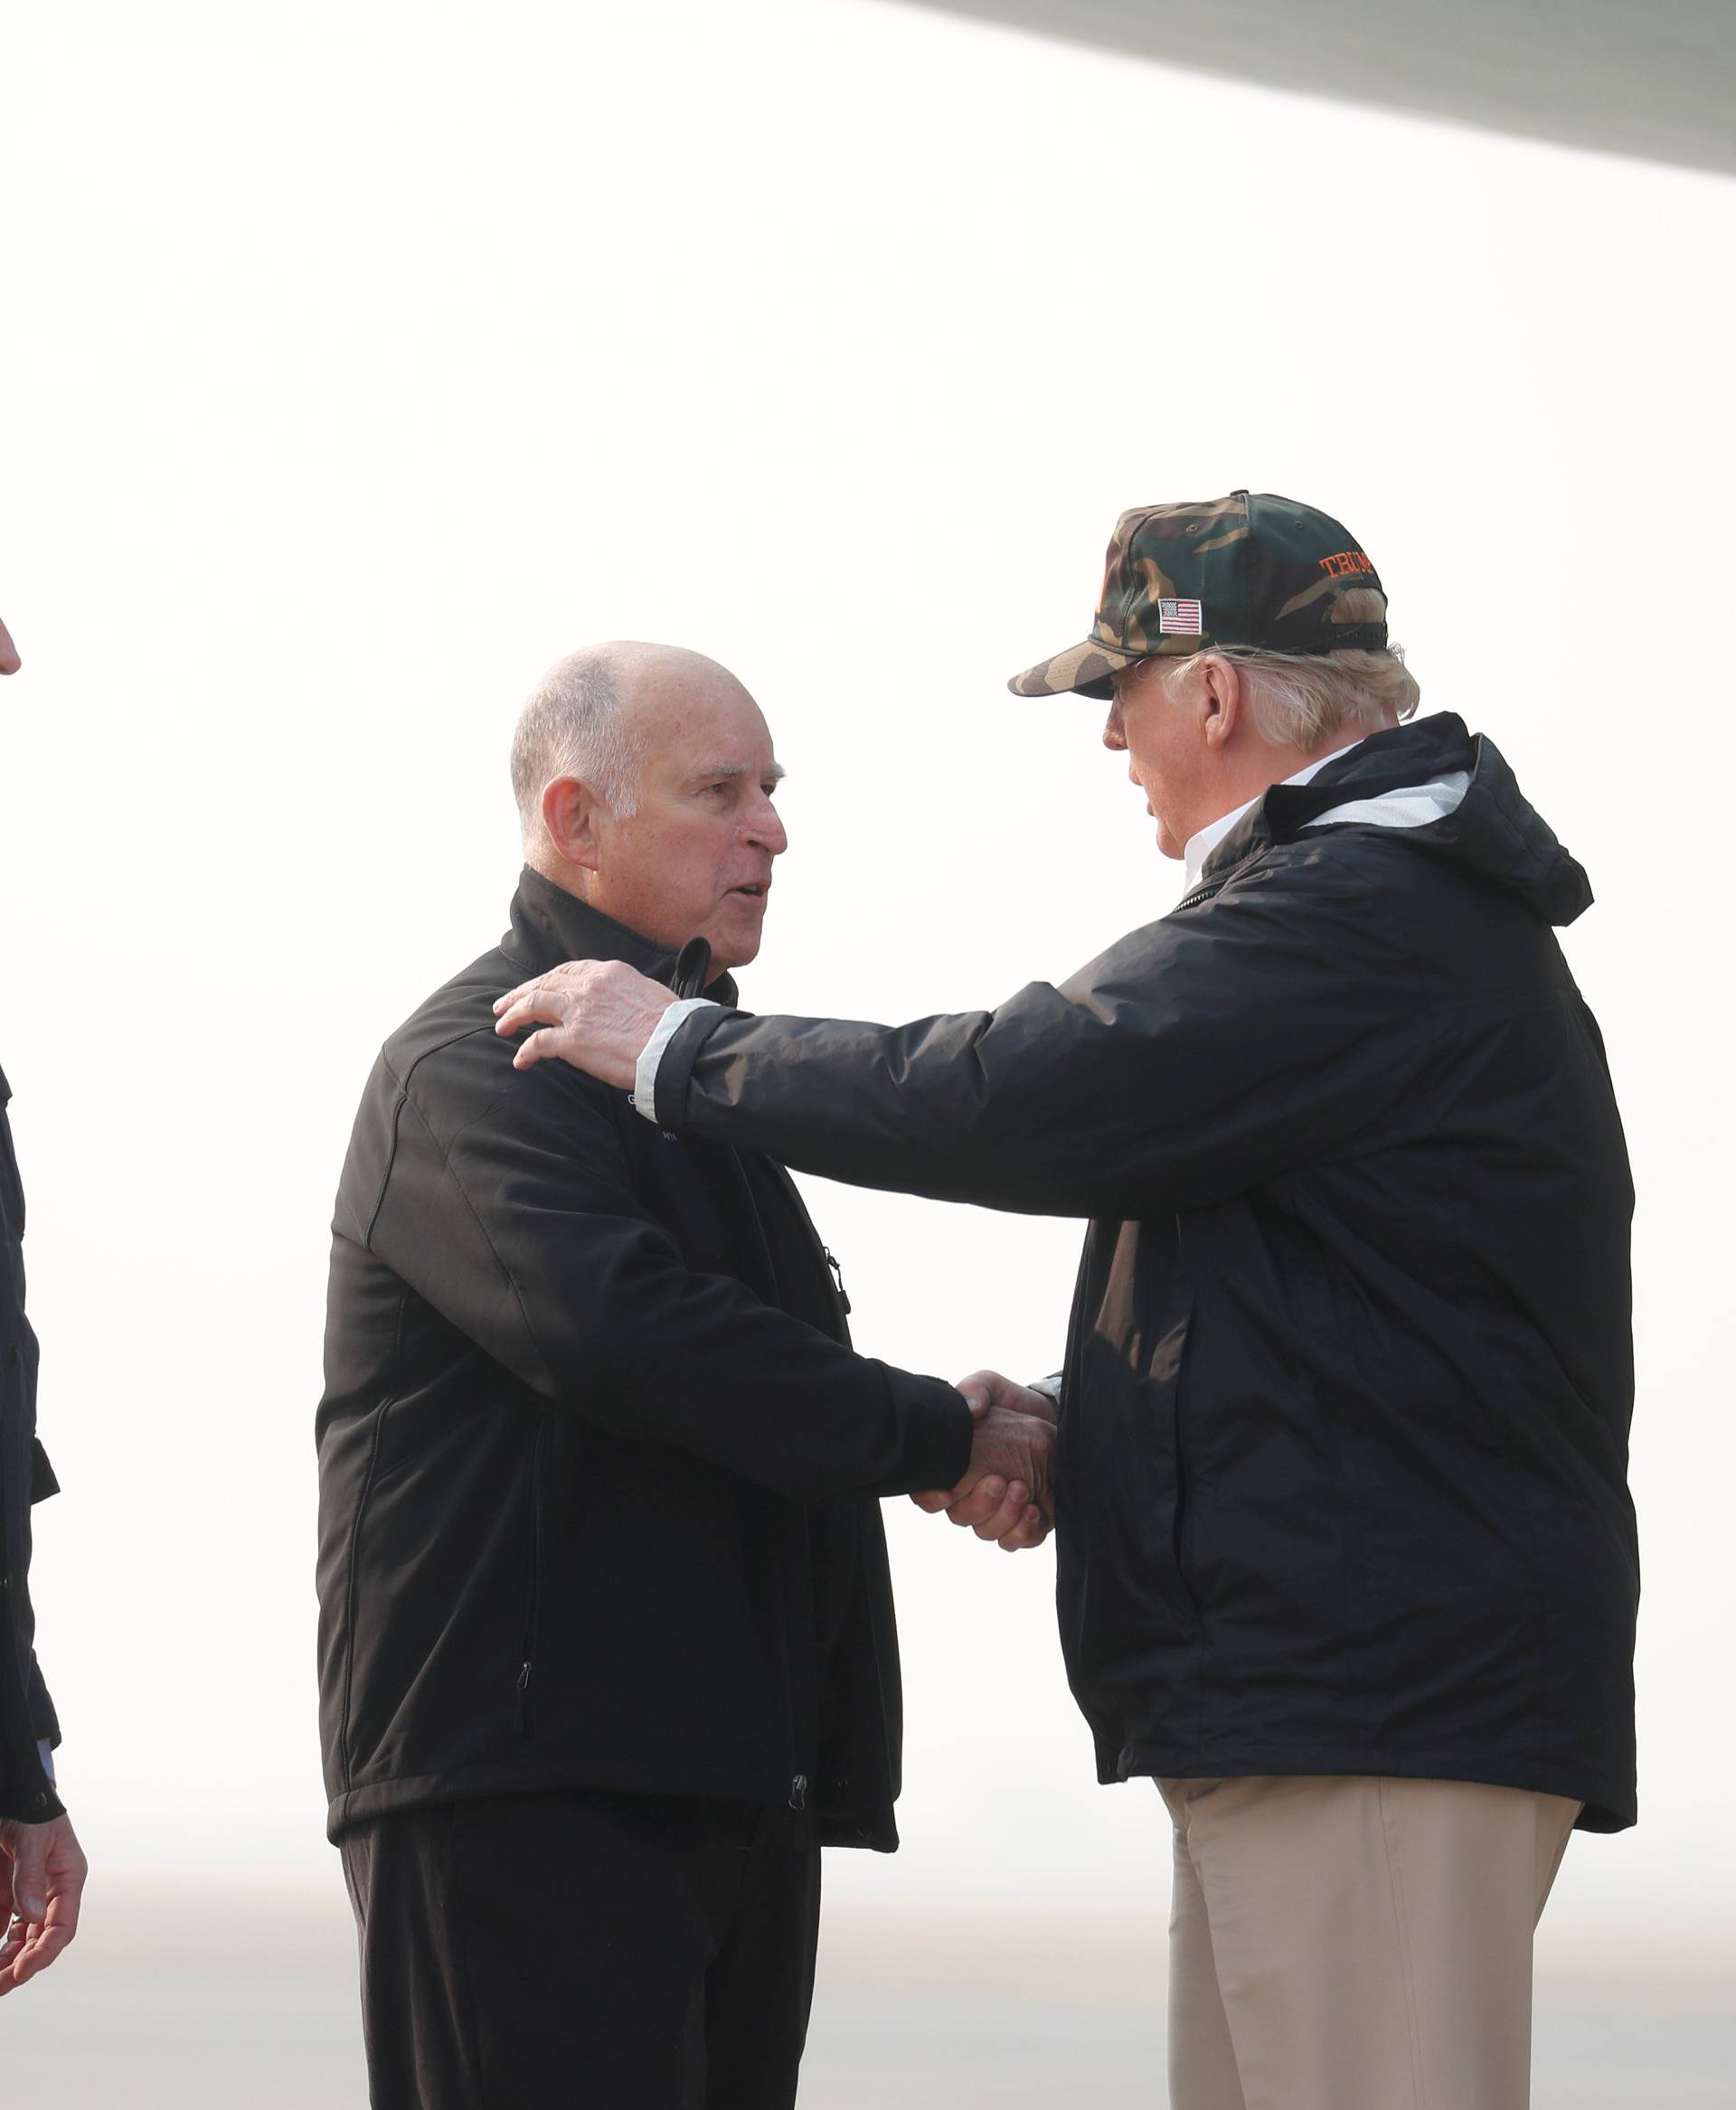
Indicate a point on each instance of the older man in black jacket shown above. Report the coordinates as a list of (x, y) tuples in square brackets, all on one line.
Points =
[(607, 1636), (42, 1868), (1346, 1557)]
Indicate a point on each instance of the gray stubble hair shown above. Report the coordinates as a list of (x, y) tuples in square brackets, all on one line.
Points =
[(575, 723)]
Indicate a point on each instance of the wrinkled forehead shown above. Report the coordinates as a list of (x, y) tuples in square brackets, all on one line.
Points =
[(712, 729)]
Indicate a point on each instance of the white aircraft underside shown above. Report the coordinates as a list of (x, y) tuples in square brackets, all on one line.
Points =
[(1651, 78)]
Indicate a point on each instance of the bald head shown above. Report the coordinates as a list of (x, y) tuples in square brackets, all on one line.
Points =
[(596, 713), (645, 776)]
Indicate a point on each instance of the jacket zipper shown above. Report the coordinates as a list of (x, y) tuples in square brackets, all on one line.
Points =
[(793, 1192), (1217, 885), (799, 1785), (837, 1276)]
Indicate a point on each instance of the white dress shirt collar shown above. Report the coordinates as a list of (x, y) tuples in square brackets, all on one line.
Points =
[(1201, 846)]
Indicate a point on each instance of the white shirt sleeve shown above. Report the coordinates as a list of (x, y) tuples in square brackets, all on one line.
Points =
[(45, 1751), (645, 1078)]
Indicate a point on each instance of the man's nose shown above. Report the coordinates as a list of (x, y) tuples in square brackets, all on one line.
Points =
[(1113, 737), (766, 830)]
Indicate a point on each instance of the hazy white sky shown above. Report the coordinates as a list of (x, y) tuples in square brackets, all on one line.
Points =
[(359, 360)]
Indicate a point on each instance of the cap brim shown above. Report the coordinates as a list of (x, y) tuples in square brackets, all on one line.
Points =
[(1083, 670)]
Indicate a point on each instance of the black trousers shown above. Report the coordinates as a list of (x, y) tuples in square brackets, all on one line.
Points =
[(585, 1952)]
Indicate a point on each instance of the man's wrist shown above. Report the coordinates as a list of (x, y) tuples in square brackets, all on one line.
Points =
[(645, 1078)]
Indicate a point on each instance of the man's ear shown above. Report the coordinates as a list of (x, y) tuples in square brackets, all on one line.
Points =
[(1221, 700), (570, 815)]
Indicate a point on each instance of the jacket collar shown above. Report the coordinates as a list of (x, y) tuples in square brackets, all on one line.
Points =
[(1381, 762), (550, 925), (1493, 834)]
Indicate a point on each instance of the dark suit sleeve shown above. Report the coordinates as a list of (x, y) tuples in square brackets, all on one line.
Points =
[(1217, 1048), (26, 1714), (27, 1718), (520, 1226), (44, 1721), (27, 1794), (43, 1483)]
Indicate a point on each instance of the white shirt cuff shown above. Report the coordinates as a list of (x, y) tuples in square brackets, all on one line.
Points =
[(45, 1750), (644, 1077)]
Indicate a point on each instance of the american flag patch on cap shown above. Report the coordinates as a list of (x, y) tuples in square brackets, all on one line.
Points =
[(1179, 619)]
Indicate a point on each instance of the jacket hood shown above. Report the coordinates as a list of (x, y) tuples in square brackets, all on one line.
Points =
[(1492, 832)]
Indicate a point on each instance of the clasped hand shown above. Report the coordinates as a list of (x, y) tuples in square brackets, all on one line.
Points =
[(597, 1015), (1007, 1494)]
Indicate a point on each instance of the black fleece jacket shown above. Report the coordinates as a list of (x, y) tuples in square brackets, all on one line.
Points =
[(598, 1468)]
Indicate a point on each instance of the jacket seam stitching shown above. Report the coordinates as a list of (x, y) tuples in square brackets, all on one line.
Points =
[(403, 1080), (385, 1176), (445, 1155)]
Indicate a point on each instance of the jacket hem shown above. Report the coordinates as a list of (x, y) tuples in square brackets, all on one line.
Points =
[(1610, 1806), (42, 1807), (535, 1775)]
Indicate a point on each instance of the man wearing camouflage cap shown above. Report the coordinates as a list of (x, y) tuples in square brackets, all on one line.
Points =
[(1347, 1559)]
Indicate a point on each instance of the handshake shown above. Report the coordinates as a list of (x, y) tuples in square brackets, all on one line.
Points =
[(1007, 1494)]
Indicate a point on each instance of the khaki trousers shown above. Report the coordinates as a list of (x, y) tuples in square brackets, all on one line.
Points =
[(1345, 1944)]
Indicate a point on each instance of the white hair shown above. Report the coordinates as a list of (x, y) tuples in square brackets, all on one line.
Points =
[(1299, 698), (575, 723)]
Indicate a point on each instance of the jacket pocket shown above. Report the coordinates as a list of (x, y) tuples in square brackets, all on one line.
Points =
[(1169, 1362), (351, 1587), (526, 1668)]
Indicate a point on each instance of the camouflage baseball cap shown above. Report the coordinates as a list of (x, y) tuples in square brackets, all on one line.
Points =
[(1249, 569)]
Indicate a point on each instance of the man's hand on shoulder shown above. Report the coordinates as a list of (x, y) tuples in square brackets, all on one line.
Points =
[(1007, 1494), (597, 1014), (41, 1882)]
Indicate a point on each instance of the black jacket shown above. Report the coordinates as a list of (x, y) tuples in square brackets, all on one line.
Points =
[(597, 1468), (1344, 1416), (26, 1714)]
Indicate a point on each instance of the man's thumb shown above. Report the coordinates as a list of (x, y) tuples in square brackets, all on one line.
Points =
[(30, 1873)]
